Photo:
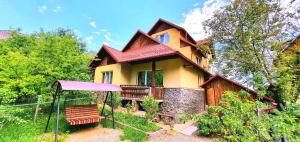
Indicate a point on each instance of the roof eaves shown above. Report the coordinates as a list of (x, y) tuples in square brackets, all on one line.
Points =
[(193, 45), (222, 77), (193, 63)]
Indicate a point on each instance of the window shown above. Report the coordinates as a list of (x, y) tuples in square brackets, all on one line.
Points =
[(164, 38), (145, 78), (198, 60), (107, 77)]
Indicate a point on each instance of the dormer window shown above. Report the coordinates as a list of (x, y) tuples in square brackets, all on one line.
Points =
[(164, 38)]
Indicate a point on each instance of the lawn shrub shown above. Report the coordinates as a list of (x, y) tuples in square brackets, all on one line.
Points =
[(129, 108), (116, 99), (151, 108), (209, 125), (237, 120), (10, 115)]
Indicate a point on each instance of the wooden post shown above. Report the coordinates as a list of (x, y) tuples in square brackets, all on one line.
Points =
[(153, 90)]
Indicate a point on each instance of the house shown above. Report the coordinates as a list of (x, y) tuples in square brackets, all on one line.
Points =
[(4, 34), (165, 62)]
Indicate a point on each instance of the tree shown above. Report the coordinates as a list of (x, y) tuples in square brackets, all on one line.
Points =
[(30, 63), (248, 36)]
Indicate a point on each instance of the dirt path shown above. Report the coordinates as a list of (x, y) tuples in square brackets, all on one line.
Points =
[(100, 134), (97, 134)]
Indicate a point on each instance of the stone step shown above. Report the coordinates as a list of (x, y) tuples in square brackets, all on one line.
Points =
[(189, 130)]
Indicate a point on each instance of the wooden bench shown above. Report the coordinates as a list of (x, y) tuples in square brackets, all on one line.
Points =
[(82, 114)]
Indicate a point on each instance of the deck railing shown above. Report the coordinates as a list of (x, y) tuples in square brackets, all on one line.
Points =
[(140, 92)]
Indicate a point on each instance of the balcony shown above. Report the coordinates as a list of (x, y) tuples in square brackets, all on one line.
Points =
[(135, 92)]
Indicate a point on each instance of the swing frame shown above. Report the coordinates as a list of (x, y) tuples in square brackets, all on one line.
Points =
[(81, 86)]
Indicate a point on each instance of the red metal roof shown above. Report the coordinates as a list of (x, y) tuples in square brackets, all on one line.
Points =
[(4, 34), (145, 53), (142, 53), (160, 20), (136, 35)]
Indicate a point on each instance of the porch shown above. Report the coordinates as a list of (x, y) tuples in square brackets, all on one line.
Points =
[(138, 93)]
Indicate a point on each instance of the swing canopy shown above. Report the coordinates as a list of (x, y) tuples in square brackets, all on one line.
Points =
[(87, 86)]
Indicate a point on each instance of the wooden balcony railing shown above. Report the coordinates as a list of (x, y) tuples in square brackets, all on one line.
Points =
[(140, 92)]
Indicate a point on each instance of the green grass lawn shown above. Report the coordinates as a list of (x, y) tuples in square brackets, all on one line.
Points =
[(30, 132)]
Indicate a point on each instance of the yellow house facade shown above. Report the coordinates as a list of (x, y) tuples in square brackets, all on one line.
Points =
[(187, 69), (165, 62)]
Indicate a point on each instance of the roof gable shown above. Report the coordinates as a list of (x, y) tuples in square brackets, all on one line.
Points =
[(216, 77), (162, 25), (139, 40)]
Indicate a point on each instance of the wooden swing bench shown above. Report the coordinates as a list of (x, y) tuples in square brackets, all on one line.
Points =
[(82, 114)]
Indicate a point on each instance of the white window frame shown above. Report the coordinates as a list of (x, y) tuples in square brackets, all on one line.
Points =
[(107, 77)]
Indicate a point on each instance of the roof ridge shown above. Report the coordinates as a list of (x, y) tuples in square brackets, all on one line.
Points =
[(172, 24), (139, 32)]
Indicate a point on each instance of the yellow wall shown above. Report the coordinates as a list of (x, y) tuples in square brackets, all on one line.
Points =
[(190, 77), (186, 51), (170, 68), (121, 73), (174, 73), (174, 37)]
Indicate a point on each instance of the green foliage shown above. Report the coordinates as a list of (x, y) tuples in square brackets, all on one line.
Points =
[(116, 100), (129, 108), (28, 131), (30, 63), (133, 135), (209, 125), (237, 120), (134, 121), (151, 107), (10, 115), (250, 35)]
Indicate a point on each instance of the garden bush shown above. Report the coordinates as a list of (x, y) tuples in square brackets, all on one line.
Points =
[(151, 108), (10, 115), (116, 99), (237, 120)]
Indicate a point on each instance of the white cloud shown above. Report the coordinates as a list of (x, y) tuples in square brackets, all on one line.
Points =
[(93, 24), (57, 9), (42, 9), (194, 18), (89, 40), (107, 37)]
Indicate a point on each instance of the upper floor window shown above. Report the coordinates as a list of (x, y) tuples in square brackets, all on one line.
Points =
[(164, 38), (107, 77), (198, 60)]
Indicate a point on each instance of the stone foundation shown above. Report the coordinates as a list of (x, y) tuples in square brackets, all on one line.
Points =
[(182, 101)]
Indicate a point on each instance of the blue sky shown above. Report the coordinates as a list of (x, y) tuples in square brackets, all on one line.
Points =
[(98, 22)]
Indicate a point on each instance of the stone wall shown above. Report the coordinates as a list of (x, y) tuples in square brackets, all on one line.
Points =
[(182, 101)]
